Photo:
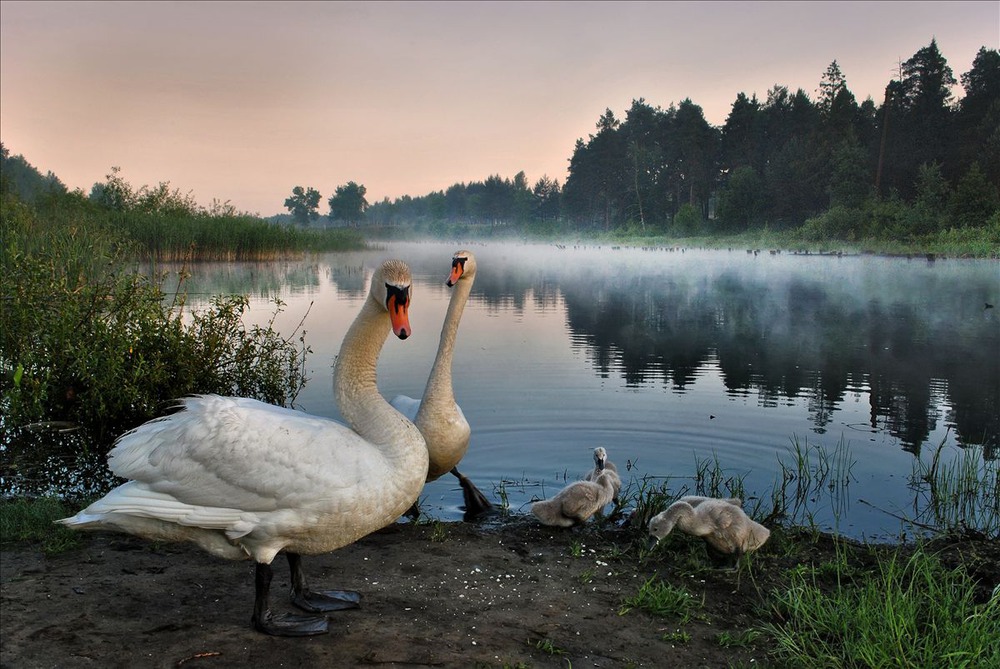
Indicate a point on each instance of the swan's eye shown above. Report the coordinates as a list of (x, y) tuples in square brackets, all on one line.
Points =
[(458, 262)]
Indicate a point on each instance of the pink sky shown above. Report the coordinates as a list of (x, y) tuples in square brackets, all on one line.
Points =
[(243, 101)]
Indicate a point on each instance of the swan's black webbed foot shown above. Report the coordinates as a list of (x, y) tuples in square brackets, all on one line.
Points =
[(324, 602), (282, 625), (317, 602), (289, 624), (476, 504)]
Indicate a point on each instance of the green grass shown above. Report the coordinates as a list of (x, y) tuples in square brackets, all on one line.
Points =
[(32, 520), (912, 612), (678, 637), (547, 646), (980, 242), (662, 599), (743, 639)]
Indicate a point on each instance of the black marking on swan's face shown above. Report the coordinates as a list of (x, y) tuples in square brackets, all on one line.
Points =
[(402, 296), (397, 300), (457, 270)]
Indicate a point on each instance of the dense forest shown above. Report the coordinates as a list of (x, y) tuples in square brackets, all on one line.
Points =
[(918, 162)]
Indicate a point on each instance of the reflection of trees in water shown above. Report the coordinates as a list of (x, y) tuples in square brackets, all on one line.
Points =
[(261, 279), (794, 340), (815, 339)]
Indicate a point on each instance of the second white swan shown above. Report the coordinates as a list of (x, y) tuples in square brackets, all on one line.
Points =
[(437, 415)]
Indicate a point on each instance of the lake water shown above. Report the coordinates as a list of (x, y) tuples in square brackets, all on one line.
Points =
[(672, 359)]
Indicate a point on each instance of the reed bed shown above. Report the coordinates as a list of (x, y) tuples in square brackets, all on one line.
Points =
[(169, 238)]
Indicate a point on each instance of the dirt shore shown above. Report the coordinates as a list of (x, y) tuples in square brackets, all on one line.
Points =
[(508, 594)]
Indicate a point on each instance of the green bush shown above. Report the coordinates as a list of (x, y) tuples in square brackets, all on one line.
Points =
[(87, 341), (687, 222), (838, 222)]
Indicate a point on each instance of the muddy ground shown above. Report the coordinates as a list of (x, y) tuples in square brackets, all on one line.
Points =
[(507, 594)]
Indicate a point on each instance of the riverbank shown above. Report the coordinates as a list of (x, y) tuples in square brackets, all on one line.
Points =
[(508, 594)]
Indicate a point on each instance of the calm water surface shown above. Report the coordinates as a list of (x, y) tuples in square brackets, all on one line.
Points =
[(672, 359)]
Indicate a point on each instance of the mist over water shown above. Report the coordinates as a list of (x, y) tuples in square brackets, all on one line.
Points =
[(669, 358)]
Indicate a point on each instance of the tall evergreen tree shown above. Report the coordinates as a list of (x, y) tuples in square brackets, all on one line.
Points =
[(743, 135), (920, 127), (979, 116)]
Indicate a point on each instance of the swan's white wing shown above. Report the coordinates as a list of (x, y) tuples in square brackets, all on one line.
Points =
[(243, 454), (406, 406)]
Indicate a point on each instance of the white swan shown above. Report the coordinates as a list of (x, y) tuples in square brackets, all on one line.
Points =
[(437, 415), (243, 479), (602, 464), (578, 501), (721, 522)]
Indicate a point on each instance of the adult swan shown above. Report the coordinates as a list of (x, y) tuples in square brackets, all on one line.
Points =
[(243, 479), (437, 415)]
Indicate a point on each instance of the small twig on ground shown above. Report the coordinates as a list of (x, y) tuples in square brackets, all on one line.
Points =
[(198, 656)]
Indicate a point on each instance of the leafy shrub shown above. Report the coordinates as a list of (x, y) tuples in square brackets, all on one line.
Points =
[(687, 221), (86, 341), (837, 223)]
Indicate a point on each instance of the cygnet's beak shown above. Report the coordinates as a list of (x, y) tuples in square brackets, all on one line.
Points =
[(651, 544)]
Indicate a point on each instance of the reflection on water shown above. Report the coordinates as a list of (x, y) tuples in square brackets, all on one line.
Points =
[(666, 357)]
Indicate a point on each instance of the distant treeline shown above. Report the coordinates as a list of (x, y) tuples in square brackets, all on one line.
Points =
[(919, 167), (916, 163), (153, 222)]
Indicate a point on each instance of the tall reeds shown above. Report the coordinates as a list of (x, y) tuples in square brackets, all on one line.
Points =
[(174, 237), (958, 492)]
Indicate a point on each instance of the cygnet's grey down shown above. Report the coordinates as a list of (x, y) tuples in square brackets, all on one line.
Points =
[(720, 522), (602, 464), (578, 501)]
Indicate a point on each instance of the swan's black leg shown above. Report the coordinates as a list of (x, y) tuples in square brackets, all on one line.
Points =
[(476, 504), (722, 561), (281, 625), (413, 513), (317, 602)]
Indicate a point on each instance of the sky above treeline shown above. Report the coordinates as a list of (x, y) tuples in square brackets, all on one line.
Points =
[(241, 102)]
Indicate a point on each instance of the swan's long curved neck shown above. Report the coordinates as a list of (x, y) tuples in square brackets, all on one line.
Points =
[(356, 388), (439, 395)]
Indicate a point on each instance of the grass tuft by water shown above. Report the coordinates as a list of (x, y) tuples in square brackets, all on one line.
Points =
[(912, 613), (958, 492)]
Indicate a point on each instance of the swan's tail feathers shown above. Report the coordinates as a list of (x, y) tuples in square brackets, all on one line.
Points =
[(132, 501), (141, 512), (81, 520), (549, 512)]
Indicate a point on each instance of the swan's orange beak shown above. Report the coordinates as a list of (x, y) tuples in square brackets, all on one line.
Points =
[(457, 269), (398, 304)]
